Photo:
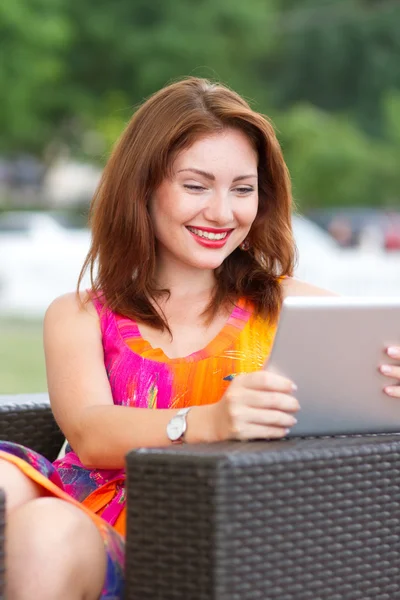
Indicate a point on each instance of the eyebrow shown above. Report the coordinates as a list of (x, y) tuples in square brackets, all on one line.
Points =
[(211, 177)]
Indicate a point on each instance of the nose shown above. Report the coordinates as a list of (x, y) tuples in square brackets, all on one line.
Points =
[(219, 209)]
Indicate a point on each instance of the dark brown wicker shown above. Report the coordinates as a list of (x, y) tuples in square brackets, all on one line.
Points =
[(28, 420), (292, 520), (296, 520)]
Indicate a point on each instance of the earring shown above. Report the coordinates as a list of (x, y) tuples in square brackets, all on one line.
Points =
[(245, 245)]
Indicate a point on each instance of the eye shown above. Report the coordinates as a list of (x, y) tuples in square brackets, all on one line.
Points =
[(194, 188), (244, 189)]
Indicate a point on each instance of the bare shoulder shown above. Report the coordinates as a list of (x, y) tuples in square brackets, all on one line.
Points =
[(296, 287), (69, 307), (71, 316)]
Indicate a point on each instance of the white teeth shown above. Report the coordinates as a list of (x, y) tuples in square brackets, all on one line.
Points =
[(208, 235)]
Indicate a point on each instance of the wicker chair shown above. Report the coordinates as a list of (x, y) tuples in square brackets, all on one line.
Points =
[(311, 519)]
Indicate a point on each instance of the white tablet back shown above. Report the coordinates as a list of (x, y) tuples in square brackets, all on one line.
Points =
[(331, 347)]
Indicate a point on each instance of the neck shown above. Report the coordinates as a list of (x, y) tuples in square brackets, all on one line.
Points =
[(182, 280)]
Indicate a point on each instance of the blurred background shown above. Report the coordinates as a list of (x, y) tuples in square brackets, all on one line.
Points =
[(327, 72)]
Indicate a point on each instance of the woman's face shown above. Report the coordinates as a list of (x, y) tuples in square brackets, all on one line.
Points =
[(205, 210)]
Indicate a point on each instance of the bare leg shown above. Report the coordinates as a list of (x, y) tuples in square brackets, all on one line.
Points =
[(18, 487), (53, 550)]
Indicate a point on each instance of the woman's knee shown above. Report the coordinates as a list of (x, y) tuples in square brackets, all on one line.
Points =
[(55, 547), (18, 488)]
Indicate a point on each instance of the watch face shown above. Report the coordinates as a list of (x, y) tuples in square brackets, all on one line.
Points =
[(175, 428)]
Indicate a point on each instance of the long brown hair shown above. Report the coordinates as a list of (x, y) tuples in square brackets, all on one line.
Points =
[(122, 256)]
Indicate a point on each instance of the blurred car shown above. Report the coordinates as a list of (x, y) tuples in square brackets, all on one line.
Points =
[(360, 226), (41, 255), (347, 271)]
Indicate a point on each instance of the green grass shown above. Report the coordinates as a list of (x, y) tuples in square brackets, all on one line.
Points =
[(22, 367)]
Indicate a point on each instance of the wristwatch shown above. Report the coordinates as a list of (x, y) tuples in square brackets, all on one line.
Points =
[(177, 426)]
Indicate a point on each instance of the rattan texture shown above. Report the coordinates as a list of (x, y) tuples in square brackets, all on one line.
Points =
[(28, 420), (2, 511), (295, 520)]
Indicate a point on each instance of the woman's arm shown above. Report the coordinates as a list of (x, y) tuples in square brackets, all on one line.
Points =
[(98, 431)]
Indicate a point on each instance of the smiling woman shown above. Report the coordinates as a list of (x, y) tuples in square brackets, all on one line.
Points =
[(195, 209), (193, 252), (198, 148)]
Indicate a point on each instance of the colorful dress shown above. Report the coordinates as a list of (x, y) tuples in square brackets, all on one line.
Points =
[(144, 377)]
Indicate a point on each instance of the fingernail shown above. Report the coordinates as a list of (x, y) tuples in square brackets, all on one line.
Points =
[(393, 352), (287, 431), (294, 387), (386, 369), (390, 390)]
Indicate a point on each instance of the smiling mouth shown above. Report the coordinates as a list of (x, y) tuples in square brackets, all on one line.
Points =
[(208, 235)]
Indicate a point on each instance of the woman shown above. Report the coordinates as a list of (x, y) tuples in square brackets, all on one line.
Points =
[(193, 252)]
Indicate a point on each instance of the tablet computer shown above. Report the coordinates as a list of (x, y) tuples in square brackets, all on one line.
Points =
[(332, 347)]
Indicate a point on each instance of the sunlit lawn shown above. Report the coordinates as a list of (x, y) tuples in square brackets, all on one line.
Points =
[(22, 367)]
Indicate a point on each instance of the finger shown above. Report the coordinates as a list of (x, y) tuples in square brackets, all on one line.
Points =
[(260, 432), (271, 400), (265, 380), (393, 351), (274, 418), (392, 390), (390, 371)]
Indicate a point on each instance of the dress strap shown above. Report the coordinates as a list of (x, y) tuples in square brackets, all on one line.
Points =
[(105, 314)]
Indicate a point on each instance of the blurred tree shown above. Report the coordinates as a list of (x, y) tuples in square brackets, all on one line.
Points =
[(74, 65), (333, 163), (337, 55), (124, 53), (34, 35), (392, 117), (329, 70)]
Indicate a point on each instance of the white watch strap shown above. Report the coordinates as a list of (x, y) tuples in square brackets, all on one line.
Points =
[(183, 411), (181, 417)]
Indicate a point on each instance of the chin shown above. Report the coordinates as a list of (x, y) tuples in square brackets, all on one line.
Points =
[(209, 264)]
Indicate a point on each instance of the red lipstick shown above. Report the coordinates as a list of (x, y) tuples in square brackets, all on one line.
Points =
[(207, 242)]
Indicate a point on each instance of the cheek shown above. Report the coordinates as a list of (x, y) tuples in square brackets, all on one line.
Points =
[(169, 212), (161, 209), (248, 212), (169, 204)]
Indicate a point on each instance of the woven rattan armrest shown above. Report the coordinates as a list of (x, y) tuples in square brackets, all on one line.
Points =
[(27, 419), (291, 520)]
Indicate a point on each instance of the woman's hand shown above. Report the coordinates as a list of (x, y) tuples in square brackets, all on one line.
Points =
[(256, 405), (392, 371)]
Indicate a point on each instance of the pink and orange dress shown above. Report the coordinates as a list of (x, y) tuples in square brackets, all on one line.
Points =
[(144, 377)]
